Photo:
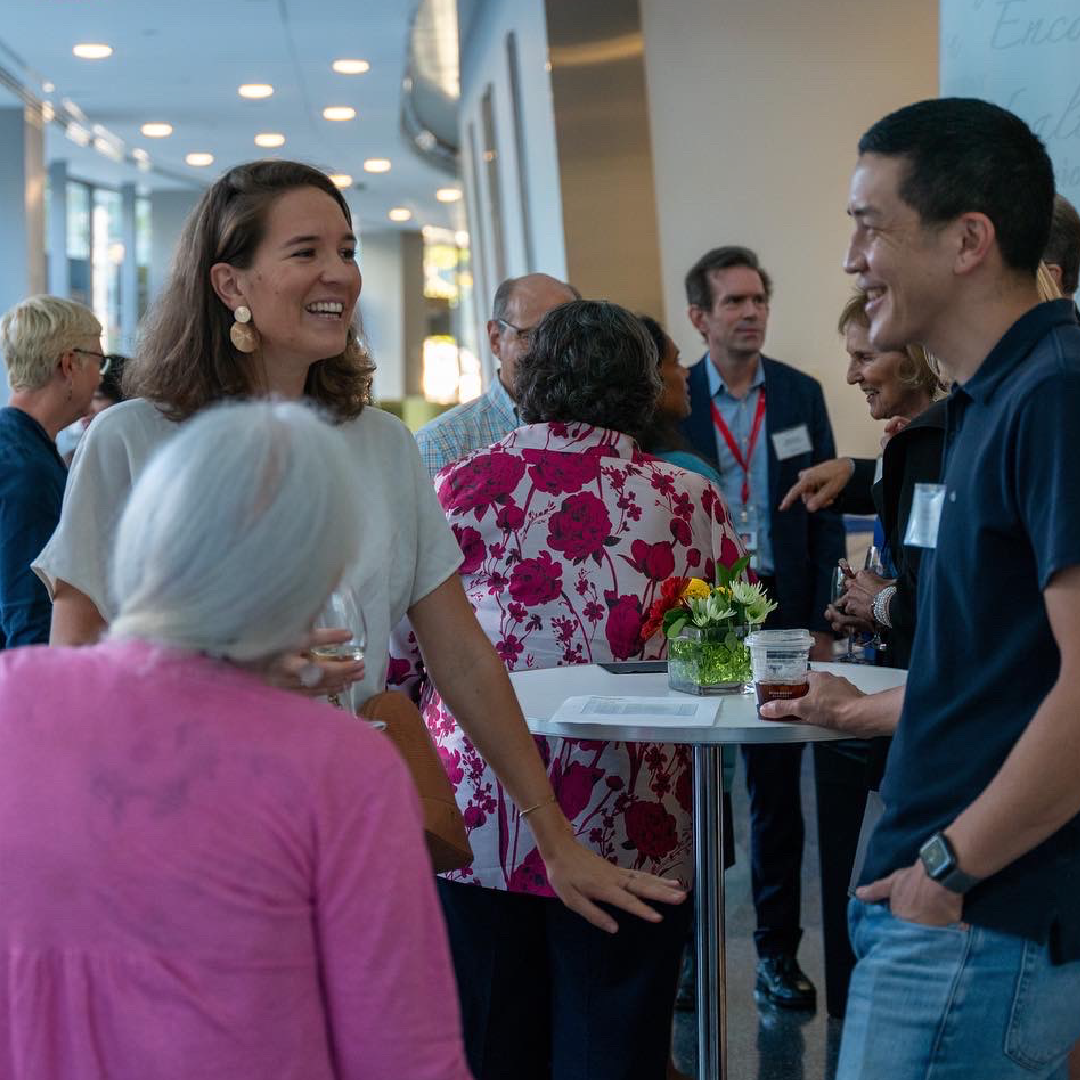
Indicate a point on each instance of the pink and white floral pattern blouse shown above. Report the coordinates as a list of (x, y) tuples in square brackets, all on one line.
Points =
[(568, 532)]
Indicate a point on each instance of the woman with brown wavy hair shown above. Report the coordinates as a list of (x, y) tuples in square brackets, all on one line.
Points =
[(262, 301)]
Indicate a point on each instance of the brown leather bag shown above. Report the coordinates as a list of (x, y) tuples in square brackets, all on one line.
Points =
[(444, 827)]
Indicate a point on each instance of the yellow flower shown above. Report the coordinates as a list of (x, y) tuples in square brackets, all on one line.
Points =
[(696, 589)]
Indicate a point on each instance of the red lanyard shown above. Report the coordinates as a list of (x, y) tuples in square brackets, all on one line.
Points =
[(733, 446)]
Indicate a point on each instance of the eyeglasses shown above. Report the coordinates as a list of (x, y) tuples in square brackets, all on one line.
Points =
[(103, 360), (523, 332)]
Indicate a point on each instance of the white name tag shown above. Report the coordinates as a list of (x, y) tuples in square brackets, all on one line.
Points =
[(791, 443), (925, 516), (748, 533)]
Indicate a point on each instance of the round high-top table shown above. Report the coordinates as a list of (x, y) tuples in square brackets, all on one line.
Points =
[(542, 692)]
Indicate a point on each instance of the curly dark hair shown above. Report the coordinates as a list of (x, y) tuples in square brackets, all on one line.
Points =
[(185, 359), (591, 362)]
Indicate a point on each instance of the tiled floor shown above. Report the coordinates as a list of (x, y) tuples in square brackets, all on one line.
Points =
[(765, 1043)]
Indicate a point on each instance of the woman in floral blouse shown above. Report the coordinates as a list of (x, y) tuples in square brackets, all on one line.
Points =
[(568, 532)]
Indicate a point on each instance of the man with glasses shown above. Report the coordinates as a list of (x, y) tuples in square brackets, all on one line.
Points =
[(52, 351), (520, 303)]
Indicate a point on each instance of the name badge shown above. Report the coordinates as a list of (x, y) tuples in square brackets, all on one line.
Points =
[(925, 516), (748, 533), (878, 466), (792, 443)]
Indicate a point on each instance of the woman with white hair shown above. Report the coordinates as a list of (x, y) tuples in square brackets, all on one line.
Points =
[(262, 301), (206, 876), (52, 351)]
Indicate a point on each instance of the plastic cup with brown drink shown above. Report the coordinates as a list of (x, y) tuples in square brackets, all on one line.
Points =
[(780, 661)]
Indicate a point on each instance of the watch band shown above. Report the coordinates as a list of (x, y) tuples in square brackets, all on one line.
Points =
[(880, 609), (946, 873)]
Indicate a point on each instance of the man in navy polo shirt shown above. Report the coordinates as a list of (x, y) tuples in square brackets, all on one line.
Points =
[(967, 920), (52, 352)]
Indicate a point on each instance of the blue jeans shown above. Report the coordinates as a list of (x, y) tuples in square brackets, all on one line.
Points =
[(954, 1003)]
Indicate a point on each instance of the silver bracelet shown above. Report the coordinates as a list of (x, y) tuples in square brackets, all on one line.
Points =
[(880, 609)]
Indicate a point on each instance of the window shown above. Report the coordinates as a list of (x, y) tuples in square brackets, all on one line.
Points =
[(78, 240), (142, 254), (494, 192), (107, 257)]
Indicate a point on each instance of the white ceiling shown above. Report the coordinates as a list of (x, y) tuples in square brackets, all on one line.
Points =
[(181, 61)]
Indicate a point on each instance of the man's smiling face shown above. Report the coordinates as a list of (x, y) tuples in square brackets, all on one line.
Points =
[(903, 264)]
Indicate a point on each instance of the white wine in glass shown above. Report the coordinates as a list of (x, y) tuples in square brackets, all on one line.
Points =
[(341, 612)]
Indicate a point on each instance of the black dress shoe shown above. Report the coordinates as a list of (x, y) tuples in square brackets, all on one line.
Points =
[(781, 981)]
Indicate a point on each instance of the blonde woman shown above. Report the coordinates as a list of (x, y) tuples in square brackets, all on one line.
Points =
[(52, 350)]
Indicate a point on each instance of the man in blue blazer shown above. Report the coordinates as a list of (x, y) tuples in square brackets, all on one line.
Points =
[(761, 421)]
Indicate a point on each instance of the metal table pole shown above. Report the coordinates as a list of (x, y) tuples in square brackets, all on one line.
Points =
[(709, 906)]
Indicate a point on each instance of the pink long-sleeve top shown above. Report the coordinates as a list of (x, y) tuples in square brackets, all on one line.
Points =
[(204, 878)]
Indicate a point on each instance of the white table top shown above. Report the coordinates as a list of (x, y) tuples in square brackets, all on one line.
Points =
[(542, 692)]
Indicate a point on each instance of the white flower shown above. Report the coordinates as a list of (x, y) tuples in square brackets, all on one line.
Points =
[(755, 604), (743, 592), (710, 612)]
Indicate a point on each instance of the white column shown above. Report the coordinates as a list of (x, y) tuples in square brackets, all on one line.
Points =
[(59, 277), (22, 226), (129, 271), (756, 111)]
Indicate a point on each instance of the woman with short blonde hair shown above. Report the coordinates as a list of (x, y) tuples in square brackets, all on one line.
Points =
[(36, 332), (52, 350)]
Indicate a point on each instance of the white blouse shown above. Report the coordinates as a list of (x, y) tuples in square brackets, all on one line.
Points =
[(407, 548)]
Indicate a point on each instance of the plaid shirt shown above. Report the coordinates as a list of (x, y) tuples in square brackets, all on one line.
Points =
[(468, 427)]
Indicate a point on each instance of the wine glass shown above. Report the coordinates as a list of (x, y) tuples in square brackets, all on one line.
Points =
[(840, 578), (876, 565), (341, 612)]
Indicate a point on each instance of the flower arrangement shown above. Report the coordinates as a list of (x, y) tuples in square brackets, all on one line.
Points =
[(728, 605), (705, 626)]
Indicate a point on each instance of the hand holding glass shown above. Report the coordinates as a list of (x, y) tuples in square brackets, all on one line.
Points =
[(341, 612), (875, 565), (841, 576)]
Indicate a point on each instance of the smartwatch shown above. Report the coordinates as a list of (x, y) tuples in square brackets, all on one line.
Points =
[(938, 857)]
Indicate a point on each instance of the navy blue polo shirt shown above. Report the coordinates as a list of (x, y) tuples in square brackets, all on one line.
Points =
[(32, 477), (984, 658)]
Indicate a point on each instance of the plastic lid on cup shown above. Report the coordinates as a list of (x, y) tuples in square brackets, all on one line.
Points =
[(781, 639)]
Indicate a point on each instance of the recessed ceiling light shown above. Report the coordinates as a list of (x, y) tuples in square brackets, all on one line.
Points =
[(269, 139), (399, 213), (341, 179), (255, 90), (448, 194), (350, 67), (199, 160), (156, 130), (48, 87), (338, 112), (88, 51), (377, 164)]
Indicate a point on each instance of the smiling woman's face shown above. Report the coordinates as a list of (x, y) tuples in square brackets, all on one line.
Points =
[(877, 375), (303, 283)]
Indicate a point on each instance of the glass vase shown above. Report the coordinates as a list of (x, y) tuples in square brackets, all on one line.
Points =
[(709, 661)]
